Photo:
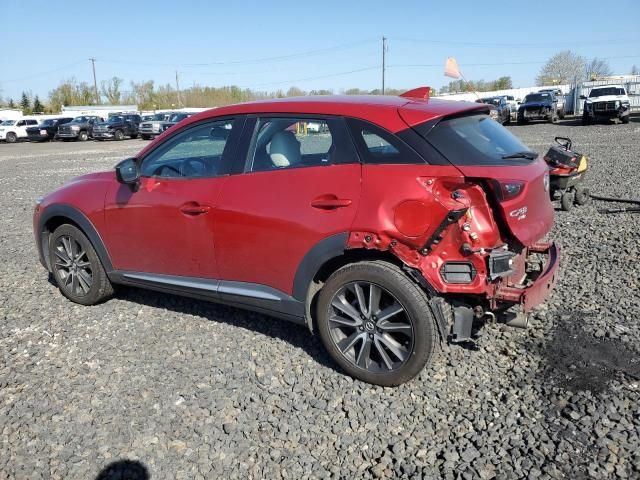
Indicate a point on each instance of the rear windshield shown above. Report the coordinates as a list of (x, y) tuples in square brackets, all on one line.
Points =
[(476, 140)]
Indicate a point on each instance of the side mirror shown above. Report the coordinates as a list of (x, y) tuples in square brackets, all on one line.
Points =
[(127, 171), (582, 97)]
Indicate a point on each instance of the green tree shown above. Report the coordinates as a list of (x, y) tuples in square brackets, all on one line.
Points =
[(25, 104), (111, 90), (37, 106), (11, 104)]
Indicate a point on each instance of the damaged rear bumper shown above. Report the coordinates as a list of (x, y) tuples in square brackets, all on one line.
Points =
[(536, 292)]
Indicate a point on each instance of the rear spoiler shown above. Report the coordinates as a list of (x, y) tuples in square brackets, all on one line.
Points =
[(420, 93)]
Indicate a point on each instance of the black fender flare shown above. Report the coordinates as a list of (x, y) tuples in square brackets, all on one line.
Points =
[(80, 219)]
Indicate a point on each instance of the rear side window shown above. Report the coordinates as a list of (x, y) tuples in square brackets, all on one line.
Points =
[(476, 140), (377, 146)]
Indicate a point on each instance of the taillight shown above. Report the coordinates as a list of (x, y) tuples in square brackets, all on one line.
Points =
[(507, 189)]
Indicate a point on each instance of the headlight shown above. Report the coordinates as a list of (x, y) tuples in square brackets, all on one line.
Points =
[(75, 128), (617, 103)]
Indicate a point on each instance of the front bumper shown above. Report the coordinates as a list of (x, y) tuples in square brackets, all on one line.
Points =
[(537, 114), (102, 134), (37, 137), (608, 114), (68, 134), (537, 291)]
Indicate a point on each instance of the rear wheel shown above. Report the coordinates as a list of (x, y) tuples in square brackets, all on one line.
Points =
[(625, 119), (582, 196), (376, 323), (134, 136), (77, 269), (11, 137), (566, 201), (145, 137), (83, 136), (585, 119), (118, 135)]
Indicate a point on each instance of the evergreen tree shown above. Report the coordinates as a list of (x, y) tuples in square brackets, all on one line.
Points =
[(37, 106), (25, 104), (11, 104)]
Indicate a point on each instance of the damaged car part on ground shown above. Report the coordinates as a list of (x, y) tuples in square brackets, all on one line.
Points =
[(389, 232)]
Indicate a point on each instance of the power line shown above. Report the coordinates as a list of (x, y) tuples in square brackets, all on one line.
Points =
[(497, 64), (516, 45), (338, 74), (41, 74)]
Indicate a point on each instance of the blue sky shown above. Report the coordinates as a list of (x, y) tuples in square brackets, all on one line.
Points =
[(270, 45)]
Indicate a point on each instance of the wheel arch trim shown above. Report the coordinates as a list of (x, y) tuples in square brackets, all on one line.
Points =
[(81, 220)]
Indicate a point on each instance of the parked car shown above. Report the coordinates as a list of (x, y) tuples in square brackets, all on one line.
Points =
[(154, 126), (80, 128), (47, 130), (559, 98), (411, 220), (117, 127), (538, 106), (500, 110), (13, 130), (513, 105), (175, 119), (606, 102)]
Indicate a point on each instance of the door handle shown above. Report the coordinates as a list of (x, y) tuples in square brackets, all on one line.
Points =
[(194, 209), (328, 203)]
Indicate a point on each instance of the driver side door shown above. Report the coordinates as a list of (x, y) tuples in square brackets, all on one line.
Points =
[(165, 226)]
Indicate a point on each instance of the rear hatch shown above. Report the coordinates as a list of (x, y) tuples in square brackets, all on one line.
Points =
[(511, 174)]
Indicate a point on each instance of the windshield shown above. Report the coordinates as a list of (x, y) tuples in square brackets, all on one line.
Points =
[(80, 120), (8, 123), (537, 97), (48, 123), (116, 119), (178, 117), (476, 140), (601, 92), (491, 101), (159, 116)]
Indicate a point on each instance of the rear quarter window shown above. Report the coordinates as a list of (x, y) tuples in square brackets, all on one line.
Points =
[(475, 140)]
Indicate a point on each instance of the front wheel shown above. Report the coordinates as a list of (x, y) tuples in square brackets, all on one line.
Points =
[(118, 135), (582, 195), (376, 323), (11, 137), (76, 267), (566, 201), (625, 119), (83, 136)]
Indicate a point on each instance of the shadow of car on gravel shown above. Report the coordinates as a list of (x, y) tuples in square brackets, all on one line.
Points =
[(296, 335), (124, 470)]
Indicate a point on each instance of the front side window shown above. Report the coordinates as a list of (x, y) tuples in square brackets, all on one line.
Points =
[(281, 143), (196, 152)]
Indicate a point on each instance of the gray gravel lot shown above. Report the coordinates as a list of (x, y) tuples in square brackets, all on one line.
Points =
[(195, 390)]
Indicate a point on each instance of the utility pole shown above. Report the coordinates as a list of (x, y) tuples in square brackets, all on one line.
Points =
[(384, 51), (178, 90), (95, 83)]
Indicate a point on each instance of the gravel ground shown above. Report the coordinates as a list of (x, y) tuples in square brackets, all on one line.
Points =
[(178, 388)]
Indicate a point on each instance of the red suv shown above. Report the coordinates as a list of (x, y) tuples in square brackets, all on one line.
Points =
[(386, 224)]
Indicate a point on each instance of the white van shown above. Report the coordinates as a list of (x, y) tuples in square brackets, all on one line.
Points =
[(12, 130)]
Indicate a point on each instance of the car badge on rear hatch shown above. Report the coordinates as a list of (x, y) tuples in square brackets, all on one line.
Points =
[(520, 213)]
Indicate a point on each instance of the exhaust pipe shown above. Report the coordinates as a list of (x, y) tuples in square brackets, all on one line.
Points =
[(516, 320)]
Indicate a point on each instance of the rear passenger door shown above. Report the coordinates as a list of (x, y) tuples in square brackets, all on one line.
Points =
[(299, 184)]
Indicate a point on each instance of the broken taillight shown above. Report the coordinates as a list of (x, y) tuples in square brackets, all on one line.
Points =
[(507, 189)]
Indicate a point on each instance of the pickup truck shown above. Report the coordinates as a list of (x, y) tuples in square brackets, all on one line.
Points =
[(538, 106), (151, 127), (47, 130), (80, 128), (606, 102), (117, 127), (560, 99)]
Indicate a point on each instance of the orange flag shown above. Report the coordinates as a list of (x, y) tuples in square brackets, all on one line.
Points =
[(451, 68)]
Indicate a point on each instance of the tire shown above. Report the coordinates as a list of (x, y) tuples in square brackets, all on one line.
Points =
[(585, 119), (77, 269), (561, 114), (507, 120), (134, 136), (118, 135), (553, 118), (567, 200), (411, 331), (83, 136), (521, 120), (11, 137), (582, 196), (145, 137), (625, 119)]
